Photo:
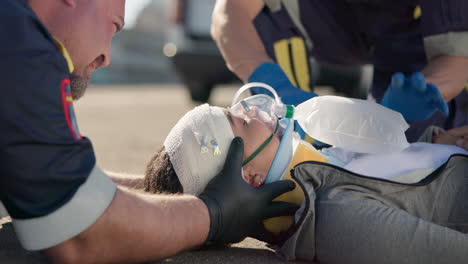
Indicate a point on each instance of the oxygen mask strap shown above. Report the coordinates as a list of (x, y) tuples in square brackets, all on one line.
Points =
[(264, 144)]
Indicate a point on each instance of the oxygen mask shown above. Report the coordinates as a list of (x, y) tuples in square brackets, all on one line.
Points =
[(269, 107), (264, 108), (255, 107)]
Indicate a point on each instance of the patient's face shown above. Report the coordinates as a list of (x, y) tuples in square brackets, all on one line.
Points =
[(254, 132)]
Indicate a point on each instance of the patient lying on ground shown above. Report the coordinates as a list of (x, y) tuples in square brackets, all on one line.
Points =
[(339, 206)]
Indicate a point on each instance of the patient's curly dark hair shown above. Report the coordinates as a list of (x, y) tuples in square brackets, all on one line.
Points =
[(160, 176)]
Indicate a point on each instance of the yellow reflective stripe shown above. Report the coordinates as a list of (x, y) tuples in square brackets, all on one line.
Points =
[(65, 54), (69, 99), (417, 12), (281, 48), (301, 67)]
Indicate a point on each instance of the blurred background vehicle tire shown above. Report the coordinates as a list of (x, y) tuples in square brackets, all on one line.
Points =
[(192, 51)]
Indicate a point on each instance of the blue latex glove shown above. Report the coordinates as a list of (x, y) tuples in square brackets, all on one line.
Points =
[(415, 99), (272, 74)]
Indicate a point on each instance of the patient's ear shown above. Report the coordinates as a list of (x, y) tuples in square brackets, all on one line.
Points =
[(253, 177)]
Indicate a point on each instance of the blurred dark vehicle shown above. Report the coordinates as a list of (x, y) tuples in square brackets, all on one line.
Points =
[(349, 81), (191, 49), (199, 63)]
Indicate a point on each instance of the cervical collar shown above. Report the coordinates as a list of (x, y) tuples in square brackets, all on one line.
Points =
[(284, 154)]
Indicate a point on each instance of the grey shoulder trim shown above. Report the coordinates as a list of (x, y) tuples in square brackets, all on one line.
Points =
[(273, 5), (292, 7), (447, 44), (86, 206)]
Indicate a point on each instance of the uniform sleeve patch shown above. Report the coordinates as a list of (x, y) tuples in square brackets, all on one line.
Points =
[(67, 101)]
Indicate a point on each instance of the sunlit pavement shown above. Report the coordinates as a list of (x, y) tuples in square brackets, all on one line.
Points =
[(127, 124)]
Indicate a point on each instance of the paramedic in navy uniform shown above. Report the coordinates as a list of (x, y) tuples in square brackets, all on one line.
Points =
[(419, 49), (58, 198)]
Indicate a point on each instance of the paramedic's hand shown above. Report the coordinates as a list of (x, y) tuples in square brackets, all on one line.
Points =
[(237, 209), (455, 136), (272, 74), (415, 99)]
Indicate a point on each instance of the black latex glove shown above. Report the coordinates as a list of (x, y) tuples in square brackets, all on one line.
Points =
[(237, 209)]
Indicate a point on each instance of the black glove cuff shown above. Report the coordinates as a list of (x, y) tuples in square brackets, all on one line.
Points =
[(214, 211)]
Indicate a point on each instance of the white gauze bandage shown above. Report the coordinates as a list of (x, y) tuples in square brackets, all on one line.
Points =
[(197, 146)]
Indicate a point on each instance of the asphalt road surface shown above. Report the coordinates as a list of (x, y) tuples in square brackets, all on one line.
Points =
[(127, 124)]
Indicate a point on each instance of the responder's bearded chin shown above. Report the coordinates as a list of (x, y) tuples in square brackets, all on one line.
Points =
[(79, 83)]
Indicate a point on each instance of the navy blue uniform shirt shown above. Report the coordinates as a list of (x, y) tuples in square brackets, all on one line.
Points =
[(393, 35), (43, 158)]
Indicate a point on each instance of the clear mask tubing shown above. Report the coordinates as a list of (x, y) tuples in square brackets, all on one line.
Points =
[(255, 84)]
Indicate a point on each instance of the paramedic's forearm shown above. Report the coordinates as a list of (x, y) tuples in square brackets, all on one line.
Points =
[(133, 181), (449, 74), (138, 227), (233, 30)]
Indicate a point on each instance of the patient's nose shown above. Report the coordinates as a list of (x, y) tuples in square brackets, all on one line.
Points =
[(252, 113)]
